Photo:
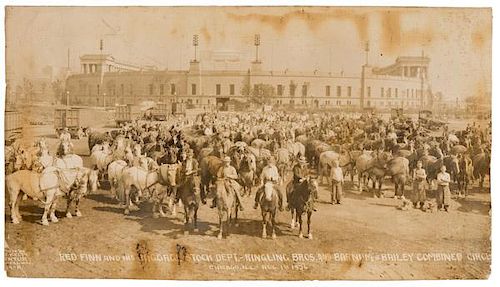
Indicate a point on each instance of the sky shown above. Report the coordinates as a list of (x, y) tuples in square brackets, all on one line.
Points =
[(329, 39)]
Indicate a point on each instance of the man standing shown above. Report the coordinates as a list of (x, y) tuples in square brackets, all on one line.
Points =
[(269, 174), (419, 184), (443, 190), (229, 174), (337, 179)]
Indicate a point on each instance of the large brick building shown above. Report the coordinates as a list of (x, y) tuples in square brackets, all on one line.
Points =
[(105, 82)]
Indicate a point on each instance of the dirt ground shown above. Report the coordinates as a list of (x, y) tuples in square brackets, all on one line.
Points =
[(363, 238)]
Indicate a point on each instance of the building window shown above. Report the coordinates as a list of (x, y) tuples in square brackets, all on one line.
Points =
[(304, 90), (231, 89), (339, 103), (217, 89), (172, 89), (292, 89), (280, 90), (292, 102), (131, 89), (122, 89), (368, 103), (369, 92), (98, 89), (339, 91), (151, 89), (349, 91), (396, 92), (193, 89), (197, 101), (389, 92), (381, 92), (162, 87), (327, 91)]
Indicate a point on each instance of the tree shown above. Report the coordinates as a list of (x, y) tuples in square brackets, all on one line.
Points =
[(27, 89), (259, 94), (58, 91)]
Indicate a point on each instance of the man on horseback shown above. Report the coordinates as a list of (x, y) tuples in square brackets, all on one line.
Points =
[(300, 175), (189, 168), (269, 174), (229, 174)]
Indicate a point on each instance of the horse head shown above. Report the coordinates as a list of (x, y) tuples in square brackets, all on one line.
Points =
[(269, 191), (19, 159), (313, 187)]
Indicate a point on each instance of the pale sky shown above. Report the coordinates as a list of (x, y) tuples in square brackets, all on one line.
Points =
[(457, 40)]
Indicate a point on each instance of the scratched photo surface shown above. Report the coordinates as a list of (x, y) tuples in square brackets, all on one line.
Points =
[(139, 139)]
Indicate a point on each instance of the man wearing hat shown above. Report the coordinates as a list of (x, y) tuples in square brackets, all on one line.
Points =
[(189, 166), (300, 174), (229, 174), (269, 174), (65, 136)]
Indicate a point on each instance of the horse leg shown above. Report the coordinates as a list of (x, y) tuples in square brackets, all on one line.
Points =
[(380, 181), (273, 224), (172, 201), (77, 209), (160, 205), (49, 199), (154, 210), (186, 218), (236, 209), (127, 200), (309, 230), (264, 225), (15, 199), (299, 217), (53, 216), (292, 223), (221, 223), (17, 203), (195, 219), (68, 208)]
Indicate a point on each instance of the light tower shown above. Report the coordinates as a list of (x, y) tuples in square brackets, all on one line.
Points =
[(195, 44), (367, 50), (257, 44)]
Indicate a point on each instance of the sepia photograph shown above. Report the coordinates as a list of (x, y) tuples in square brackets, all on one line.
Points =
[(248, 143)]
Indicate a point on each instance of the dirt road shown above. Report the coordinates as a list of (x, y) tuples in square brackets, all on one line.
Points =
[(363, 238)]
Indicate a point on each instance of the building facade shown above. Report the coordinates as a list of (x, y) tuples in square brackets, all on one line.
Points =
[(105, 82)]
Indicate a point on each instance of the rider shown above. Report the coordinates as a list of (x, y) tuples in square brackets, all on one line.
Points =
[(269, 174), (229, 174), (189, 168), (65, 136), (300, 174)]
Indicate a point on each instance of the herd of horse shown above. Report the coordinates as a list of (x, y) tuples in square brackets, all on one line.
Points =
[(148, 166)]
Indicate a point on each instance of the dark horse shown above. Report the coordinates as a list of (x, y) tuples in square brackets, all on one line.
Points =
[(301, 201), (189, 194), (246, 171), (269, 206)]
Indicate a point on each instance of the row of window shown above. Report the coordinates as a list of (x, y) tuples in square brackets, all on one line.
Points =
[(384, 92), (162, 89), (392, 103), (388, 93), (218, 89)]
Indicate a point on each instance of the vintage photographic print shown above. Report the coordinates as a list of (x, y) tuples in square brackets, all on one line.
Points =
[(249, 143)]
